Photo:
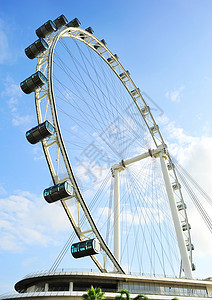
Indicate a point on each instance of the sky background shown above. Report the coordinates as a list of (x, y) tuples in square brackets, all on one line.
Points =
[(166, 46)]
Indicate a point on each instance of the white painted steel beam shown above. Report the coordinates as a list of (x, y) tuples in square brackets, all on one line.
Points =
[(116, 216), (176, 219)]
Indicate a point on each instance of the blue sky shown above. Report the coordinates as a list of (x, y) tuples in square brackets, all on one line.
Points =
[(166, 46)]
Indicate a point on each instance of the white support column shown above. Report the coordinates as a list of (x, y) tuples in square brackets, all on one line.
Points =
[(71, 285), (46, 288), (176, 219), (116, 216)]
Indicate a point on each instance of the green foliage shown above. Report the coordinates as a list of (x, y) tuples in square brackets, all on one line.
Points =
[(175, 298), (141, 297), (94, 294), (124, 294)]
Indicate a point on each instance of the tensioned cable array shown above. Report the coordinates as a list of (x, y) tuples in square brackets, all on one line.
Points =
[(99, 122), (184, 177)]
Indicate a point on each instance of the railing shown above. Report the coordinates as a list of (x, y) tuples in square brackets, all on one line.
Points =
[(81, 270)]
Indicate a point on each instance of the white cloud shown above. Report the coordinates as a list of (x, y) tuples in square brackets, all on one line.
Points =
[(193, 153), (18, 120), (176, 94), (2, 190), (29, 261), (38, 153), (28, 220), (13, 92), (145, 215), (4, 46), (12, 103), (11, 89)]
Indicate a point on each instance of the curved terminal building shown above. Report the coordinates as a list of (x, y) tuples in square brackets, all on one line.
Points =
[(59, 284)]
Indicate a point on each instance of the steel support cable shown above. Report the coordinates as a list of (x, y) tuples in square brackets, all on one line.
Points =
[(130, 129), (126, 228), (147, 220), (136, 195), (167, 256), (195, 183), (170, 234), (135, 233), (165, 197), (91, 80), (96, 72), (71, 117), (185, 214), (109, 216), (62, 253), (199, 206), (119, 103), (201, 210), (150, 217), (129, 186), (139, 184), (70, 239), (100, 80), (152, 231), (65, 87), (110, 84), (160, 229), (95, 86), (111, 92), (109, 212), (77, 108), (100, 215), (197, 203), (92, 94), (173, 251)]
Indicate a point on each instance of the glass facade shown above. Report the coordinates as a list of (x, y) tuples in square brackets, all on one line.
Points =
[(165, 289)]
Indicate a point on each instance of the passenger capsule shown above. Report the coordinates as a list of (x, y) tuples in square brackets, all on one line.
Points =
[(184, 227), (60, 21), (135, 92), (170, 166), (193, 267), (46, 29), (176, 186), (89, 29), (111, 58), (33, 82), (74, 23), (154, 128), (36, 48), (98, 46), (58, 192), (190, 247), (145, 110), (40, 132), (181, 206), (124, 75), (85, 248)]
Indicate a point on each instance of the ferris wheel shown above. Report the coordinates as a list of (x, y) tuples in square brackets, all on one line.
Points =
[(111, 169)]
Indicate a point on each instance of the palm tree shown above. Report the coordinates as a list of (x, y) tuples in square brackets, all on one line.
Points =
[(124, 294), (94, 294), (141, 297)]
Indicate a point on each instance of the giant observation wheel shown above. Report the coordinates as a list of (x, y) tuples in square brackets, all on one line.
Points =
[(101, 140)]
